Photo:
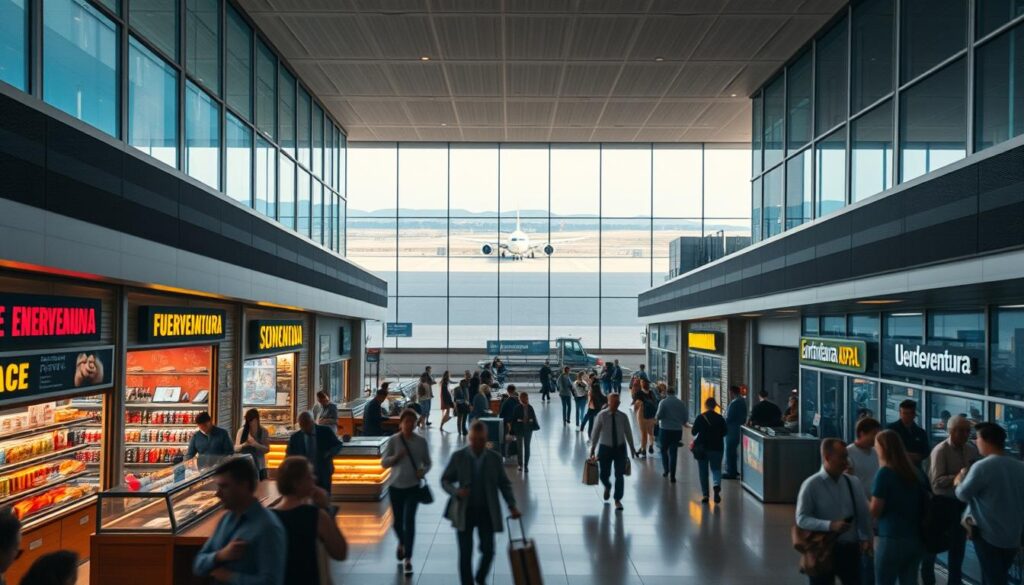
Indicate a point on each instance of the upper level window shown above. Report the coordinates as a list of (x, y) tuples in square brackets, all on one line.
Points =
[(830, 107), (14, 43), (202, 42)]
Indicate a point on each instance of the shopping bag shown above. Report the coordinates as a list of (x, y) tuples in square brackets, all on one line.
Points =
[(629, 468), (522, 556), (590, 472)]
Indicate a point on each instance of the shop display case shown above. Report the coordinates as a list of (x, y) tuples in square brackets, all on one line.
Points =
[(163, 502), (268, 385), (43, 449), (358, 473)]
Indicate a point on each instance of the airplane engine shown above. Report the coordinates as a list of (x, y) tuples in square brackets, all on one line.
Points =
[(487, 249), (549, 249)]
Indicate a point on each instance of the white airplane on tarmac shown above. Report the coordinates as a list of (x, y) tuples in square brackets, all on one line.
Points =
[(517, 245)]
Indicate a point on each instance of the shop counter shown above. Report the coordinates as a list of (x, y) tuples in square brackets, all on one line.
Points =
[(153, 533), (358, 473), (776, 462)]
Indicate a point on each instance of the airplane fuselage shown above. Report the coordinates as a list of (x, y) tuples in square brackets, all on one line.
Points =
[(518, 243)]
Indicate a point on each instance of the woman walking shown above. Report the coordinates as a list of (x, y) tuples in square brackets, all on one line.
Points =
[(595, 402), (302, 510), (254, 440), (447, 403), (408, 458), (481, 403), (524, 423), (580, 389), (708, 448), (897, 498), (645, 404), (462, 399)]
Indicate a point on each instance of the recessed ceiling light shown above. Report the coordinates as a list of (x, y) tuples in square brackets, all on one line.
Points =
[(425, 58), (659, 59), (732, 95), (444, 123), (879, 302), (751, 315), (787, 311)]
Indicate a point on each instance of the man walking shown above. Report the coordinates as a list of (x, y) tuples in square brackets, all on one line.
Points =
[(948, 459), (565, 394), (319, 445), (833, 501), (735, 417), (248, 544), (991, 489), (545, 382), (672, 418), (474, 477), (611, 435), (616, 377), (606, 378), (524, 423), (428, 380)]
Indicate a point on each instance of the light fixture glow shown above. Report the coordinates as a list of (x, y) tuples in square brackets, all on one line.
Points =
[(879, 301), (659, 59), (750, 314), (425, 58)]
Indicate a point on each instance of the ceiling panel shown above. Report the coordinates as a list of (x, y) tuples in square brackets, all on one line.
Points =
[(537, 70), (533, 79), (469, 37), (475, 79), (536, 37)]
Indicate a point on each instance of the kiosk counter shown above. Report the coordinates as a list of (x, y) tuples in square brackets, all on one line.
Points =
[(776, 462), (358, 473)]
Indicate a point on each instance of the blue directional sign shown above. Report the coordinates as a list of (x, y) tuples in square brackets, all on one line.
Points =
[(398, 329)]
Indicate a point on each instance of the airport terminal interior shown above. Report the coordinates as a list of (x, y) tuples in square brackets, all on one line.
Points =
[(806, 216)]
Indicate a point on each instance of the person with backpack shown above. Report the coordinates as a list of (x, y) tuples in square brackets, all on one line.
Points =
[(708, 448), (899, 499), (832, 520)]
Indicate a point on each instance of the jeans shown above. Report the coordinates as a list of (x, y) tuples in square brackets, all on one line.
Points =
[(617, 386), (711, 462), (588, 420), (606, 386), (566, 407), (954, 559), (846, 566), (480, 519), (995, 562), (461, 421), (425, 407), (670, 450), (404, 502), (606, 458), (732, 446), (523, 442), (581, 410), (897, 560)]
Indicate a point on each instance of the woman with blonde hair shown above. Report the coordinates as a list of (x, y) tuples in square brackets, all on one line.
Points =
[(898, 496), (481, 403)]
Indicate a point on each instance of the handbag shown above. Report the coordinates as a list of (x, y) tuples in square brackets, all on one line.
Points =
[(698, 448), (629, 468), (323, 564), (590, 472), (817, 548), (423, 493)]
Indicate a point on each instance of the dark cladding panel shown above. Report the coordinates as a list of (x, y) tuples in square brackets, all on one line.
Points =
[(1001, 201), (22, 153), (801, 261), (941, 218), (876, 233), (832, 249), (150, 202), (751, 263), (84, 177), (773, 270)]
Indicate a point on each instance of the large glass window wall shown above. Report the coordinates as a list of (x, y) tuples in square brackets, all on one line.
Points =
[(198, 89), (459, 231), (900, 88)]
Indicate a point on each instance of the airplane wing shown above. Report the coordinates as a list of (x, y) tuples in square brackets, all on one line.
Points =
[(488, 242), (566, 240)]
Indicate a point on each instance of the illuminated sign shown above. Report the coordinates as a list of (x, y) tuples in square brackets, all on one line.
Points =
[(710, 341), (954, 365), (26, 319), (33, 374), (175, 324), (275, 336), (839, 354)]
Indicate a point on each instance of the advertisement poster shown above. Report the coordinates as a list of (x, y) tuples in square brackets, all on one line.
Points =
[(259, 382), (40, 320), (38, 373)]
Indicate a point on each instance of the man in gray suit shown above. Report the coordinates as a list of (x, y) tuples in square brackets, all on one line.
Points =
[(473, 478)]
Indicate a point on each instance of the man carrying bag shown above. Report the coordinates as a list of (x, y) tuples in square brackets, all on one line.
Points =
[(833, 525)]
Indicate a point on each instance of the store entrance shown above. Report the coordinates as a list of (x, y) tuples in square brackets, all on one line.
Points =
[(780, 371)]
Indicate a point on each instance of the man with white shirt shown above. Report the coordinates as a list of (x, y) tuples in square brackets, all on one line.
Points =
[(833, 501), (863, 458)]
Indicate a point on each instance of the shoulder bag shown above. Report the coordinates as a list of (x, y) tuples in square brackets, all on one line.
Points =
[(817, 548), (423, 493)]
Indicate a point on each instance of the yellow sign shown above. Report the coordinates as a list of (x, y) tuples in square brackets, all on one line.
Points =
[(173, 324), (272, 336), (704, 341), (14, 376)]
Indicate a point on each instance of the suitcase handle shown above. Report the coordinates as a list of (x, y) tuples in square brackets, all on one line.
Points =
[(522, 529)]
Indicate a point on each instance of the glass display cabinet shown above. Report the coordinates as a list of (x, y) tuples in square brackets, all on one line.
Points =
[(164, 502)]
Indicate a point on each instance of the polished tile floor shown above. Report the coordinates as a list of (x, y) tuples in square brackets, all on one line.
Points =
[(664, 536)]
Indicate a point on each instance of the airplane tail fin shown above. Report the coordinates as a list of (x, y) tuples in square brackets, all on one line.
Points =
[(518, 224)]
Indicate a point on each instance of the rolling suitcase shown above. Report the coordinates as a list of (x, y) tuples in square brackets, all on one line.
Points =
[(495, 433), (522, 555)]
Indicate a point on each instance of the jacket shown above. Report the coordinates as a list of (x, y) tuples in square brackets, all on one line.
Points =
[(736, 412), (481, 405), (518, 426), (709, 431), (493, 480), (327, 446), (565, 385)]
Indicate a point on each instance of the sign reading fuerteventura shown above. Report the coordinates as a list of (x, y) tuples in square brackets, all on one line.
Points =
[(839, 354), (931, 359)]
